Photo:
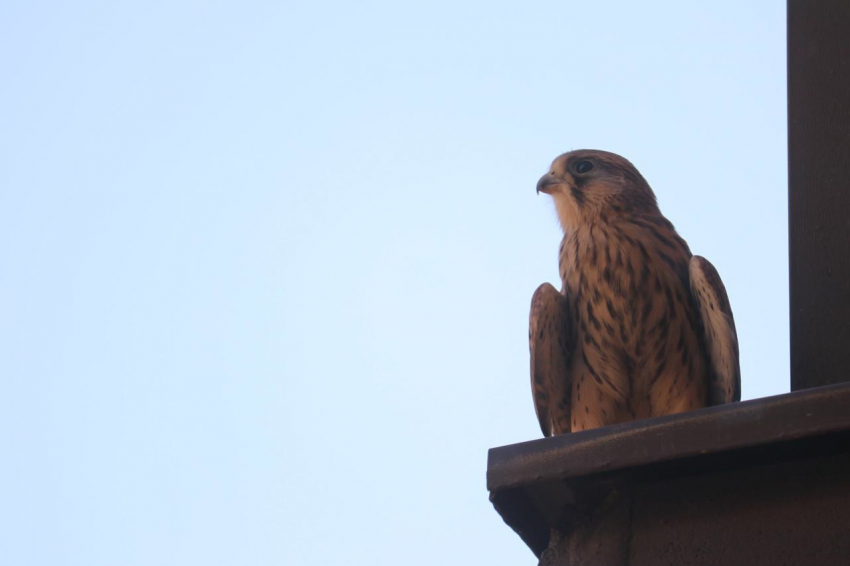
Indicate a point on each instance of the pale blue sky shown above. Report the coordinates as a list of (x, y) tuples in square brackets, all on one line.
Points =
[(266, 266)]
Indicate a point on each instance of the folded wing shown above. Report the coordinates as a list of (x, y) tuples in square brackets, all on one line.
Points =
[(721, 339), (550, 338)]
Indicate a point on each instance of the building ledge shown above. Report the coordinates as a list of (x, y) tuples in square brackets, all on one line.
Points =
[(532, 483)]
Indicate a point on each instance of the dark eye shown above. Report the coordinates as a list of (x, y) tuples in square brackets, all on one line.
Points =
[(583, 167)]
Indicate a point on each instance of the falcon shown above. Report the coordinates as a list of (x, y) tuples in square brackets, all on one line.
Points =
[(640, 327)]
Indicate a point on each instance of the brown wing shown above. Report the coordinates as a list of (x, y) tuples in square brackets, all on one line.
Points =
[(550, 335), (721, 339)]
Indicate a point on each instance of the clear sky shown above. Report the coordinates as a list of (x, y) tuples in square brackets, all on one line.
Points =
[(266, 266)]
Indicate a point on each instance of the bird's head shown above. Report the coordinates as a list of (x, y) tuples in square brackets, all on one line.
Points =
[(589, 185)]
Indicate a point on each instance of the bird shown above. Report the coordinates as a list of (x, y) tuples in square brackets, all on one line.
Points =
[(640, 327)]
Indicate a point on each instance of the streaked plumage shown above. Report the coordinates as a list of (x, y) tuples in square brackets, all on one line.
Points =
[(641, 327)]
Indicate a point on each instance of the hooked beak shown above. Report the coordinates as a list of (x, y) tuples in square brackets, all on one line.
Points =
[(547, 183)]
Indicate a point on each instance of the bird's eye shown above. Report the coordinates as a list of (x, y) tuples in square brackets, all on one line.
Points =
[(583, 167)]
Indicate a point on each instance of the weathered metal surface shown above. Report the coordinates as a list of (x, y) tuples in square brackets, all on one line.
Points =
[(767, 514), (819, 190), (776, 513), (727, 427), (686, 483)]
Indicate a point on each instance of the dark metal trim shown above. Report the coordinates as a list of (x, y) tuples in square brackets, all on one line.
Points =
[(758, 422), (819, 190)]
